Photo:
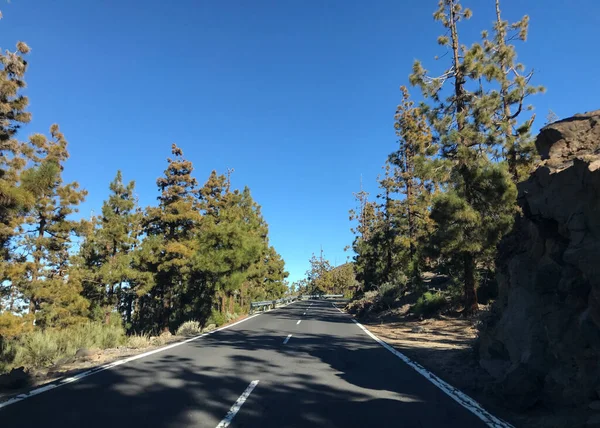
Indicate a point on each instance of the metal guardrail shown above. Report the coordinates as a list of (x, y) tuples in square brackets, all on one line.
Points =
[(268, 304), (322, 296)]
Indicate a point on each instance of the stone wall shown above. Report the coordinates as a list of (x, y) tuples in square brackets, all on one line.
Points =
[(542, 342)]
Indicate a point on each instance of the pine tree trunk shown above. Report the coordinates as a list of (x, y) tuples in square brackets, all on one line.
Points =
[(409, 202), (471, 305), (164, 324), (111, 292), (36, 264), (139, 310), (129, 308), (390, 239), (459, 93)]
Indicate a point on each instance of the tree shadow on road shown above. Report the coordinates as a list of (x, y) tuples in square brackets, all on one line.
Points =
[(336, 379)]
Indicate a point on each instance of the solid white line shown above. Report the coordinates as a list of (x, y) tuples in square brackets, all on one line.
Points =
[(457, 395), (287, 339), (299, 321), (108, 366), (237, 405)]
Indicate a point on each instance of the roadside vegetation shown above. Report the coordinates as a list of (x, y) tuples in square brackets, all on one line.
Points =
[(129, 275), (323, 278), (447, 193)]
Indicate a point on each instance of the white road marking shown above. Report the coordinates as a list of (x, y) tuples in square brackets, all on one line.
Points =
[(299, 321), (287, 339), (237, 405), (108, 366), (304, 313), (457, 395)]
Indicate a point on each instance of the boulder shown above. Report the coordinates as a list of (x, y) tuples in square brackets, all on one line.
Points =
[(543, 344), (83, 353), (15, 379), (86, 354)]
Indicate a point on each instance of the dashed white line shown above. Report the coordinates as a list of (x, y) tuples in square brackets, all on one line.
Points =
[(237, 405), (287, 339), (299, 321), (304, 313)]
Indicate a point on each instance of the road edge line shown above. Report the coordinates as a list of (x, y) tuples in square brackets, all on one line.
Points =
[(64, 381), (460, 397)]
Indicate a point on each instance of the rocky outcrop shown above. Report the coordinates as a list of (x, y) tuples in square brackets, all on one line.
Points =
[(15, 379), (542, 342)]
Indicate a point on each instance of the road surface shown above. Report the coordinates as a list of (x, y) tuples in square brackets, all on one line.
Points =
[(303, 365)]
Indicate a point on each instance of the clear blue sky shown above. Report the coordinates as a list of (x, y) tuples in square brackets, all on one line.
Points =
[(297, 96)]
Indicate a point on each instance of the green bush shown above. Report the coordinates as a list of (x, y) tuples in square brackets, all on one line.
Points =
[(8, 353), (216, 318), (387, 294), (362, 306), (429, 303), (138, 341), (238, 309), (189, 328), (162, 339), (42, 349), (94, 335)]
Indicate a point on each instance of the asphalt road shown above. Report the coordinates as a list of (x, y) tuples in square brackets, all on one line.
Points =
[(329, 373)]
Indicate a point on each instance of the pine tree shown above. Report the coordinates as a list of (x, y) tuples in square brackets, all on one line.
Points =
[(170, 245), (477, 190), (45, 277), (390, 226), (14, 199), (275, 274), (415, 178), (234, 254), (368, 242), (501, 66), (319, 277), (106, 255), (344, 279), (213, 194)]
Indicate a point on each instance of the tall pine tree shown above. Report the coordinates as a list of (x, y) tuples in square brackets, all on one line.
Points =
[(502, 67), (45, 277), (368, 242), (478, 205), (106, 255), (170, 245), (415, 177), (15, 199)]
